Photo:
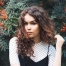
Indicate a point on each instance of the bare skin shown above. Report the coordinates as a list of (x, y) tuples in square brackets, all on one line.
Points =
[(59, 43)]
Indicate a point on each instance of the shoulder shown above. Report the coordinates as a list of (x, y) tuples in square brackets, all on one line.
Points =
[(13, 39), (52, 50), (51, 47), (13, 42)]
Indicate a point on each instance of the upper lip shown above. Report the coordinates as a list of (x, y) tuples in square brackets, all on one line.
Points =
[(29, 32)]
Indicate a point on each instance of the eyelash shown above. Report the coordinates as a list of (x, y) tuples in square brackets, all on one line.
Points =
[(25, 23), (31, 23)]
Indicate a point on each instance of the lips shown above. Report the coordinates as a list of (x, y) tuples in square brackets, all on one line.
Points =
[(29, 32)]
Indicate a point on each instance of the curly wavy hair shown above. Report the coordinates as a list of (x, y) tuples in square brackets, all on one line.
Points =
[(47, 30)]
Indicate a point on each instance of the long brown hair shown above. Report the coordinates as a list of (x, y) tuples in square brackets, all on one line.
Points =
[(46, 25)]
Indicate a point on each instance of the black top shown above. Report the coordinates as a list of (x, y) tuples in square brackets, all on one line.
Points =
[(26, 61)]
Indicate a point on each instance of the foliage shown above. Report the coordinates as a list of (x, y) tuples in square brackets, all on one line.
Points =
[(10, 11), (56, 9), (3, 17)]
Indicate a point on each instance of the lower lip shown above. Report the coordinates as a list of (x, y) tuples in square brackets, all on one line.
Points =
[(29, 33)]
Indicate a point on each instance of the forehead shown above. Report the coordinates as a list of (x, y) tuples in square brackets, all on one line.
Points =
[(28, 18)]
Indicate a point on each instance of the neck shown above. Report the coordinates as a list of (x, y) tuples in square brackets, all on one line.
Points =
[(37, 39)]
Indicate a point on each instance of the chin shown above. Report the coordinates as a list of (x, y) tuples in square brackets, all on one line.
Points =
[(30, 36)]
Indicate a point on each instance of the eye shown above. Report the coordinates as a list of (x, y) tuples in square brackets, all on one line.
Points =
[(25, 23), (33, 23)]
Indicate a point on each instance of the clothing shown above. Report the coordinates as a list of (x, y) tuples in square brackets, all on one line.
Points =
[(26, 61), (40, 52)]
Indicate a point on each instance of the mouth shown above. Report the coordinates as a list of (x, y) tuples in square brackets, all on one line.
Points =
[(29, 33)]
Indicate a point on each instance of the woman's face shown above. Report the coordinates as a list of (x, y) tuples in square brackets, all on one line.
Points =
[(31, 26)]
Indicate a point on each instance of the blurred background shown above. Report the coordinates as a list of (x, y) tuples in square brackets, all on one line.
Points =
[(9, 13)]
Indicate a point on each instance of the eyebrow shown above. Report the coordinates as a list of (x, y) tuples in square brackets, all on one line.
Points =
[(30, 21), (33, 21)]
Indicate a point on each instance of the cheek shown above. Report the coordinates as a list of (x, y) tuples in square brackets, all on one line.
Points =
[(37, 29), (25, 28)]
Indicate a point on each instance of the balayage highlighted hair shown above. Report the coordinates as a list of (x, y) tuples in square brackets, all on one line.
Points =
[(47, 31)]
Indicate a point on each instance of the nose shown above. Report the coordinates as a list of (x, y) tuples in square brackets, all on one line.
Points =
[(29, 27)]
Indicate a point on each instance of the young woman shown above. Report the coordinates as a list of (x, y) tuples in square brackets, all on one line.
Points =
[(32, 45)]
